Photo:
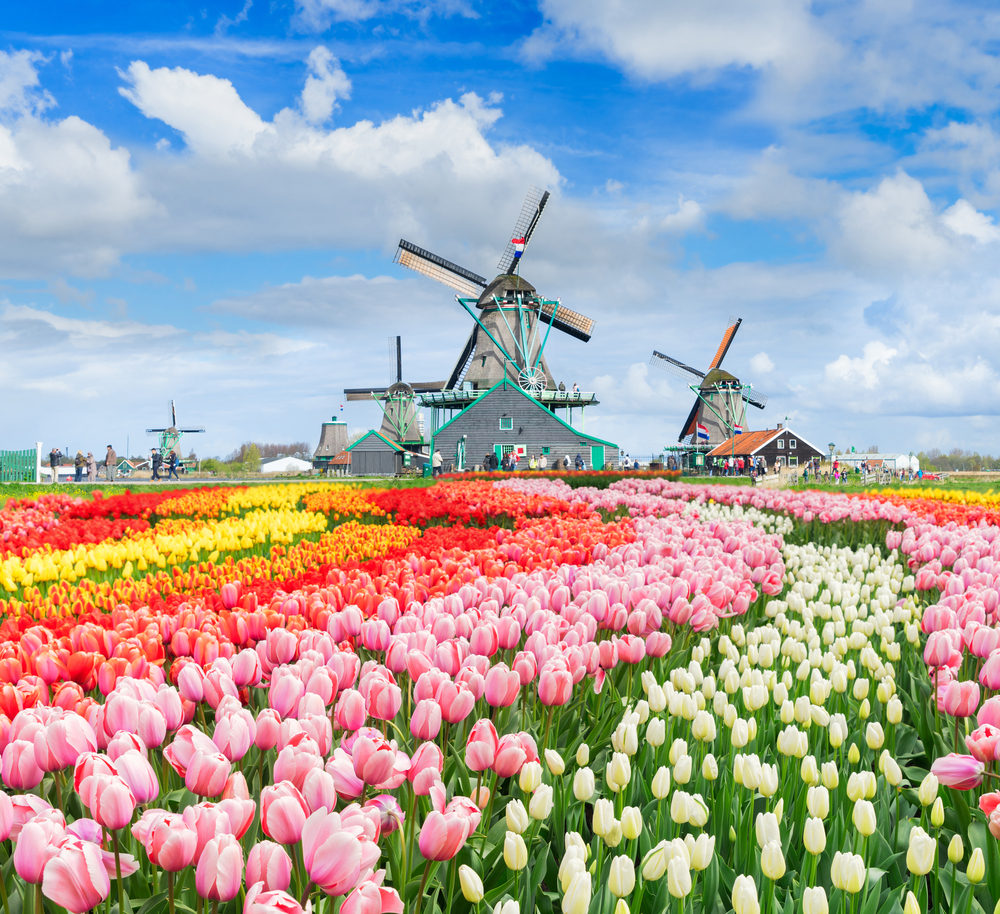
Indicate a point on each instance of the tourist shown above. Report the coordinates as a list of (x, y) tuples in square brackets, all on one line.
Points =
[(172, 462), (156, 461), (79, 463), (488, 463), (576, 387), (532, 463), (543, 462), (579, 463), (513, 461), (55, 455), (110, 464), (91, 467)]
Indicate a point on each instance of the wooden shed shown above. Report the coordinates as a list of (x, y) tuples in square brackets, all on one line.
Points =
[(507, 419), (373, 455), (776, 445)]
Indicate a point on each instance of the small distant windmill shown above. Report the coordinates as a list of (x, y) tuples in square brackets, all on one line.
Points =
[(505, 341), (719, 409), (169, 438)]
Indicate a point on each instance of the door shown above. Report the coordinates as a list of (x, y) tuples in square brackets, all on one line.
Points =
[(597, 456)]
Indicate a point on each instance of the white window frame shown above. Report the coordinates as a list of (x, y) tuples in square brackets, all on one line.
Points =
[(781, 444), (793, 443)]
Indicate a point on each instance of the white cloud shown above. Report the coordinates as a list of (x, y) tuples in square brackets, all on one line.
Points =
[(863, 370), (19, 92), (319, 15), (325, 84), (963, 219), (224, 23), (761, 363), (689, 217)]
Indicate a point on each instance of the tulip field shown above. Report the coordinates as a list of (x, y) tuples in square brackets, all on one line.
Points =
[(500, 697)]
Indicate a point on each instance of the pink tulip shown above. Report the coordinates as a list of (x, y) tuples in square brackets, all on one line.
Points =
[(219, 685), (75, 878), (456, 700), (230, 595), (63, 741), (234, 735), (481, 747), (963, 772), (319, 791), (283, 812), (555, 687), (6, 816), (426, 720), (982, 743), (109, 800), (371, 898), (341, 768), (207, 773), (268, 729), (207, 820), (36, 845), (335, 857), (502, 686), (989, 802), (351, 711), (247, 670), (24, 807), (426, 767), (485, 640), (168, 700), (632, 649), (294, 762), (989, 675), (219, 874), (375, 635), (390, 812), (184, 745), (284, 693), (989, 712), (525, 666), (510, 756), (961, 698), (123, 742), (443, 836), (373, 759), (170, 842), (135, 771), (18, 767), (260, 901), (985, 640), (191, 683), (508, 632), (657, 644), (270, 865)]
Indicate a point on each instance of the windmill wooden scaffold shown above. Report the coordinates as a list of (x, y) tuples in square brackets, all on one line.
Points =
[(719, 409)]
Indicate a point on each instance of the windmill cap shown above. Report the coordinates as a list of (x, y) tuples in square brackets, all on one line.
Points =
[(501, 285)]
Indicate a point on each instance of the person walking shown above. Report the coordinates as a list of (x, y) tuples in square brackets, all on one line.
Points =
[(79, 463), (91, 468), (579, 463), (110, 464), (55, 456), (172, 462), (436, 461), (156, 461)]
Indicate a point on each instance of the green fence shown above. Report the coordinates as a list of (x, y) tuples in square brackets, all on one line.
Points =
[(17, 466)]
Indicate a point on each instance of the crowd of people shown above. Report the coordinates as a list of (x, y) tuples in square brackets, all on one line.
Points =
[(90, 465)]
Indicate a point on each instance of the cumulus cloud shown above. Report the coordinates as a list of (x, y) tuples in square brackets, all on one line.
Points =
[(863, 370), (689, 217), (761, 363), (319, 15), (325, 83)]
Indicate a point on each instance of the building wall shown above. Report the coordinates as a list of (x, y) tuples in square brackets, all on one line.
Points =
[(534, 427), (373, 457), (731, 406), (801, 452)]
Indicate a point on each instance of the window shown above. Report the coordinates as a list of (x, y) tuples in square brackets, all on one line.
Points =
[(781, 442), (507, 424), (793, 461), (546, 450), (792, 443)]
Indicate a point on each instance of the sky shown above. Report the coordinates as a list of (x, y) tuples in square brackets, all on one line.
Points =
[(201, 202)]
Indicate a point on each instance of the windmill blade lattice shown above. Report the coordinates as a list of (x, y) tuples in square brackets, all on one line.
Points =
[(675, 367), (534, 203), (465, 282)]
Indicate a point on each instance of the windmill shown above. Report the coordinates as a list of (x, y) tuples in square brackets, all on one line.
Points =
[(170, 437), (719, 409), (506, 341), (400, 420)]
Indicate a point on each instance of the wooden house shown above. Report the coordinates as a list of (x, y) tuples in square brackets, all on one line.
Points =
[(373, 455), (781, 446), (506, 419)]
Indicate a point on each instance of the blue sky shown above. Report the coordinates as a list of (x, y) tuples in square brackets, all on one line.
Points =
[(201, 201)]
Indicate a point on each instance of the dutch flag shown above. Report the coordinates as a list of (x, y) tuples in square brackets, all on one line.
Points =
[(702, 431), (518, 247), (738, 429)]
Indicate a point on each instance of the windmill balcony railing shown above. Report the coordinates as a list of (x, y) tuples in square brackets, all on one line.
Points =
[(567, 398)]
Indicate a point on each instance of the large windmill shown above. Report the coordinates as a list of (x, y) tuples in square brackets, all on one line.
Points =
[(507, 339), (719, 409), (169, 438)]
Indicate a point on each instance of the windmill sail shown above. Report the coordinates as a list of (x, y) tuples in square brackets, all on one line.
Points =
[(531, 211), (465, 282), (727, 341), (689, 374), (755, 398), (464, 360), (578, 325)]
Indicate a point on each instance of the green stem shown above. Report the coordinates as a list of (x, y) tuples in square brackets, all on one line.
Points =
[(118, 873), (423, 885), (170, 891), (3, 895)]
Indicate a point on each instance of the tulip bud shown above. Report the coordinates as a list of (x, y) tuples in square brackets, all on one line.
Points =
[(956, 849), (920, 853), (516, 817), (555, 763), (614, 836), (604, 814), (702, 852), (894, 711), (678, 877), (541, 803), (654, 864), (814, 901), (583, 784), (578, 892), (515, 853), (937, 813), (874, 736), (472, 885), (976, 869), (928, 790), (621, 907), (583, 754), (864, 818), (911, 906), (621, 878), (853, 754), (808, 770), (661, 782), (682, 769), (814, 836), (772, 861), (631, 822), (710, 768), (530, 777), (893, 773), (618, 772), (656, 732), (818, 802), (865, 710), (831, 778)]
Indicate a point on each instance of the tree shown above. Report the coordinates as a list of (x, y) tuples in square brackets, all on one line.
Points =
[(251, 462)]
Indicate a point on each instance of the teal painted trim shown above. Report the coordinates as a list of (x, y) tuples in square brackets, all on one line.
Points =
[(547, 332), (532, 401), (391, 444), (462, 302)]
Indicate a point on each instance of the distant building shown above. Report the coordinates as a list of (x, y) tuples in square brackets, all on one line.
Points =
[(777, 445), (506, 419), (332, 441), (895, 462), (374, 455), (286, 465)]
